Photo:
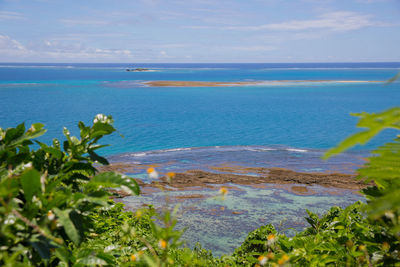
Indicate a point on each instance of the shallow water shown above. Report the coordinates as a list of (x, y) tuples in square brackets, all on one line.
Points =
[(222, 230), (281, 205)]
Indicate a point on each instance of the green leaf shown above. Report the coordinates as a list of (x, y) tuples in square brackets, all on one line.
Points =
[(14, 133), (396, 77), (30, 181), (9, 186), (95, 157), (374, 122), (112, 179), (42, 246), (63, 254), (53, 151), (100, 129), (69, 227), (35, 131)]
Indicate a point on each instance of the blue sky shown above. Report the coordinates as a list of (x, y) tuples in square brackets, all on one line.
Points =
[(199, 30)]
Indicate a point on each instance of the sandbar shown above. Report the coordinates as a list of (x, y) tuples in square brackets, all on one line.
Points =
[(243, 83)]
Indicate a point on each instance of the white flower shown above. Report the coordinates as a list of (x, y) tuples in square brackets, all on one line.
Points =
[(50, 215), (28, 165), (103, 119)]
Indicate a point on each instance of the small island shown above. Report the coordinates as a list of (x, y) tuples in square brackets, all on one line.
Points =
[(138, 70)]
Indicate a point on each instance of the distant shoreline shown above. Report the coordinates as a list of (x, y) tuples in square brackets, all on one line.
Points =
[(222, 84)]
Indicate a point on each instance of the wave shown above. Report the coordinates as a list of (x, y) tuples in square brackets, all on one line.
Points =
[(19, 84), (213, 149), (206, 158), (297, 150)]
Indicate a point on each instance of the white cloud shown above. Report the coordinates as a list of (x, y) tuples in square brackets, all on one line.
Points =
[(8, 15), (78, 50), (13, 50), (6, 43), (10, 48), (334, 21)]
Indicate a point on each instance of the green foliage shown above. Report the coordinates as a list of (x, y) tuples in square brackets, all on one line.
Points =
[(374, 124), (342, 237), (134, 239), (255, 244), (382, 169), (47, 195)]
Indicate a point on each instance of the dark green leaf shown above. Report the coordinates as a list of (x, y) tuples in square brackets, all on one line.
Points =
[(112, 179), (97, 158), (30, 181), (69, 227)]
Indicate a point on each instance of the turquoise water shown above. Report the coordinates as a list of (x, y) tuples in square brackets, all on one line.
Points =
[(285, 125), (295, 115), (221, 230)]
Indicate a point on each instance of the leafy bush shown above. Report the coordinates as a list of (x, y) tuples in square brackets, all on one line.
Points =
[(47, 195), (342, 237)]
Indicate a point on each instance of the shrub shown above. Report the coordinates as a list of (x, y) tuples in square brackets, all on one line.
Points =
[(48, 195)]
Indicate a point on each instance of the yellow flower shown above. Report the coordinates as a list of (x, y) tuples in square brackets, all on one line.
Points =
[(271, 239), (362, 247), (223, 191), (169, 176), (136, 256), (162, 244), (262, 260), (153, 174), (284, 259)]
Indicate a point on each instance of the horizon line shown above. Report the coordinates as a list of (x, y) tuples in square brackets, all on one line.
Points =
[(319, 62)]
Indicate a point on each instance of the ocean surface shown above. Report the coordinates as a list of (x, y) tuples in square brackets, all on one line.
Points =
[(306, 115), (287, 125)]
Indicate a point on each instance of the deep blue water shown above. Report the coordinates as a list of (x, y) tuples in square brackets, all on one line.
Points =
[(307, 115)]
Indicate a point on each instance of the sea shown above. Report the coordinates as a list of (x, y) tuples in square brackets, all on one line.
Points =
[(268, 124)]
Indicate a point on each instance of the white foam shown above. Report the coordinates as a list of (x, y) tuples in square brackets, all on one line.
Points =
[(260, 149), (176, 149), (141, 154), (296, 150)]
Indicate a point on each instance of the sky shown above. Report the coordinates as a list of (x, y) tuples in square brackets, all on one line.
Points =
[(183, 31)]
